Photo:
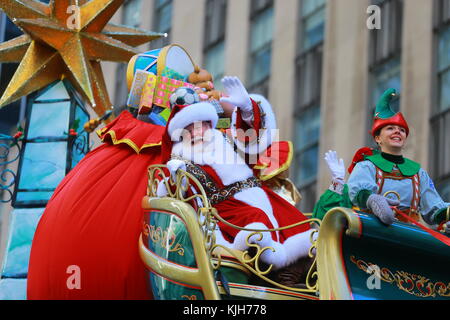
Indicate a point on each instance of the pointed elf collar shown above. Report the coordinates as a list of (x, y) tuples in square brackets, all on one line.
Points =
[(408, 168)]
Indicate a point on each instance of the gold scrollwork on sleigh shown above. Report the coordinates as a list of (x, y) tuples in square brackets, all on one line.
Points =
[(410, 283), (165, 239), (182, 189)]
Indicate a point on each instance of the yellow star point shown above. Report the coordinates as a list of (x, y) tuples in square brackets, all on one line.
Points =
[(67, 39)]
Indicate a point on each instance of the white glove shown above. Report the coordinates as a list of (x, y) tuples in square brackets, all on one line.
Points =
[(336, 167), (174, 165), (161, 191), (380, 207), (237, 94)]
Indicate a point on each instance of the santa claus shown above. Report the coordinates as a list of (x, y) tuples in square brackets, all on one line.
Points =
[(192, 144)]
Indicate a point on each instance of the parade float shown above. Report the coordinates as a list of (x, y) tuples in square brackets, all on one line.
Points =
[(166, 247), (355, 255)]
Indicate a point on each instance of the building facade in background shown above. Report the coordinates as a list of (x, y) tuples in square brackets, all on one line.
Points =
[(323, 69), (319, 64)]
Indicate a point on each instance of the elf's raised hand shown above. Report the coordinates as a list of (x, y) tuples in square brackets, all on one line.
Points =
[(336, 167)]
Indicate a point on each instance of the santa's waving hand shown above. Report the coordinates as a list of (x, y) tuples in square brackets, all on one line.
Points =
[(237, 95)]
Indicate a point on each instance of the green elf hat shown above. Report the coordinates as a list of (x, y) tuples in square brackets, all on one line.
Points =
[(385, 116)]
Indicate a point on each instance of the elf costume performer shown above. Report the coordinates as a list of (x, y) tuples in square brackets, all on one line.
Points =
[(191, 144), (383, 178)]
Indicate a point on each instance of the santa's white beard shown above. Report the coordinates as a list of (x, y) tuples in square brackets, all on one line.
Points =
[(217, 153)]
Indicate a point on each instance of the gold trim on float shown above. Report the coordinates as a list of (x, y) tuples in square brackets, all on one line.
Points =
[(161, 61), (333, 280), (130, 71), (282, 168), (417, 285), (203, 275), (231, 264), (225, 259), (128, 142)]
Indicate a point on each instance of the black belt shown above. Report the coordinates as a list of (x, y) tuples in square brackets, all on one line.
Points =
[(213, 192)]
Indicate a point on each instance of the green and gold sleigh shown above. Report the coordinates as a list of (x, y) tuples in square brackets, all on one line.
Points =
[(355, 256)]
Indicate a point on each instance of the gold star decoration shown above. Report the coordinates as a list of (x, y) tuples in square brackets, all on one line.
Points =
[(67, 38)]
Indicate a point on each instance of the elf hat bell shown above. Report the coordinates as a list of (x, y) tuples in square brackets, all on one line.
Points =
[(385, 116)]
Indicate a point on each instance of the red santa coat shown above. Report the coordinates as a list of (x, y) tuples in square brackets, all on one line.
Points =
[(251, 208), (94, 219), (241, 213)]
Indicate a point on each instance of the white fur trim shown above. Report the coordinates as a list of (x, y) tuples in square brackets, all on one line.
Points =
[(202, 111), (217, 153), (231, 173), (284, 254), (220, 239), (240, 242), (277, 257), (268, 134), (298, 246)]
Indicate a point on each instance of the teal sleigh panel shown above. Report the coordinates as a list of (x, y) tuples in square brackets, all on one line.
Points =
[(178, 269), (375, 261)]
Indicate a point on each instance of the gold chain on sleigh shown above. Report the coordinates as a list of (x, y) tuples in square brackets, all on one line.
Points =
[(209, 217)]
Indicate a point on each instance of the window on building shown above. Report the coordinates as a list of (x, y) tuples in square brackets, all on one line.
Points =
[(261, 32), (384, 56), (162, 22), (308, 90), (48, 150), (440, 117), (214, 39), (131, 14)]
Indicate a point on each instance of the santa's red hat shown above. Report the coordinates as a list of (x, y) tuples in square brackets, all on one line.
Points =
[(181, 117)]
